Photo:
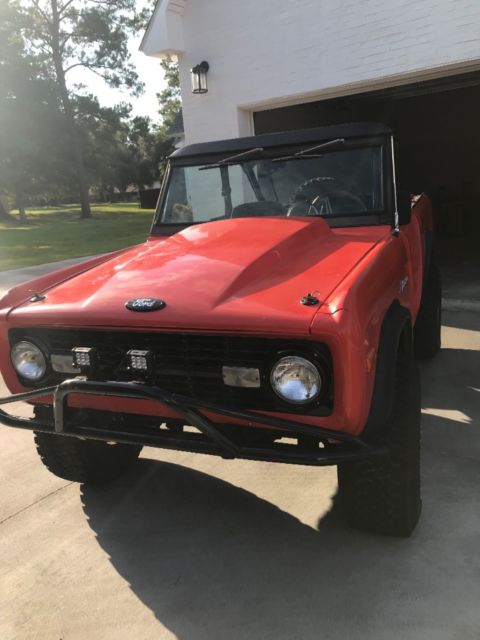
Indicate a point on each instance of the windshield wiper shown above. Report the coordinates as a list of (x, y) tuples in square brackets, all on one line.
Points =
[(307, 153), (236, 159)]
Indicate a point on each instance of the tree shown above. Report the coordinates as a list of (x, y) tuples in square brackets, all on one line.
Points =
[(30, 124), (142, 145), (104, 139), (93, 34), (170, 98), (119, 150), (170, 106)]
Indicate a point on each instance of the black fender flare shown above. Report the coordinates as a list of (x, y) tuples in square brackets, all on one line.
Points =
[(396, 334)]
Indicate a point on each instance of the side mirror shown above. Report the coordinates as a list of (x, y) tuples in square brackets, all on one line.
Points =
[(404, 203)]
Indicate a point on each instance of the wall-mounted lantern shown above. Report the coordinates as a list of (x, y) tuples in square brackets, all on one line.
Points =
[(199, 77)]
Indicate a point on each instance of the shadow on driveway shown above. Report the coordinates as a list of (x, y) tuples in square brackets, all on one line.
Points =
[(212, 560)]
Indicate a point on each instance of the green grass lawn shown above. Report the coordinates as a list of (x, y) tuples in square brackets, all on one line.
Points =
[(57, 233)]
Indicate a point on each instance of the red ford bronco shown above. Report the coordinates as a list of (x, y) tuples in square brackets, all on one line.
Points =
[(274, 313)]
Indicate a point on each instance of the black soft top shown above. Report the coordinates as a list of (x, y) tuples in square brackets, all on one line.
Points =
[(350, 131)]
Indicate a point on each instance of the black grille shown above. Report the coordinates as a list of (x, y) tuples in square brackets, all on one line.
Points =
[(188, 364)]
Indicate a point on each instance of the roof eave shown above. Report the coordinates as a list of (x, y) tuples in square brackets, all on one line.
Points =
[(164, 34)]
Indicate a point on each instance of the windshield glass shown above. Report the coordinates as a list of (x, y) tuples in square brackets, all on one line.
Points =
[(336, 184)]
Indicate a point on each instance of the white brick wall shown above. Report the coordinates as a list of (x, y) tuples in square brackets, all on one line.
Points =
[(275, 52)]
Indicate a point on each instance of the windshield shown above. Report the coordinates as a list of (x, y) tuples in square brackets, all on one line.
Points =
[(340, 184)]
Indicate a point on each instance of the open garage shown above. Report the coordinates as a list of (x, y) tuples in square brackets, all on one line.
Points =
[(437, 129)]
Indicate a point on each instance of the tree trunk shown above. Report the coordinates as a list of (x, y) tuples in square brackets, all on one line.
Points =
[(22, 216), (69, 115), (4, 215)]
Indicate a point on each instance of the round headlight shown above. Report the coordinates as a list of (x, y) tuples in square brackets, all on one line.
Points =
[(29, 360), (296, 380)]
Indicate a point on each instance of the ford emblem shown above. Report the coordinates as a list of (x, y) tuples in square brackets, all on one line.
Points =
[(145, 304)]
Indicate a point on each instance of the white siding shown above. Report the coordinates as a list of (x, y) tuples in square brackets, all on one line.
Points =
[(276, 52)]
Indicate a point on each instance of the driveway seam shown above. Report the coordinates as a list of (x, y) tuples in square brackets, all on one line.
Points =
[(13, 515)]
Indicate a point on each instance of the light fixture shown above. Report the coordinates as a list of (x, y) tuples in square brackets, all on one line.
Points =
[(296, 380), (84, 358), (140, 361), (241, 377), (29, 360), (199, 77)]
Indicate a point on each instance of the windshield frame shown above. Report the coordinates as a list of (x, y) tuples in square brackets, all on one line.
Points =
[(372, 218)]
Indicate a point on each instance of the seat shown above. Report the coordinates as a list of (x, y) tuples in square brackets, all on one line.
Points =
[(258, 209)]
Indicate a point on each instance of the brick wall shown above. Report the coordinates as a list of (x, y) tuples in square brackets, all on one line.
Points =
[(266, 53)]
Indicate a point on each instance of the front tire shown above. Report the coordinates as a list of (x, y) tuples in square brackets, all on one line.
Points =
[(427, 330), (86, 461), (382, 495)]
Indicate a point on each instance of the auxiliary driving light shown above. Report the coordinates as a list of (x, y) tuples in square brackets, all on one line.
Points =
[(84, 358), (140, 360)]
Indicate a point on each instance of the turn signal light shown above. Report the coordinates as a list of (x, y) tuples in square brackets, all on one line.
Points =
[(241, 377)]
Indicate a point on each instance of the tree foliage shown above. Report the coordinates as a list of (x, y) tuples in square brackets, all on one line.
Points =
[(120, 150), (83, 33), (52, 135), (65, 34), (30, 118), (170, 102)]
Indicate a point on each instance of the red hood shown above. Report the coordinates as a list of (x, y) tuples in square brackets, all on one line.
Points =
[(242, 274)]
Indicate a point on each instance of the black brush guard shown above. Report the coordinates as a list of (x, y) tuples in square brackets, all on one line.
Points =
[(337, 447)]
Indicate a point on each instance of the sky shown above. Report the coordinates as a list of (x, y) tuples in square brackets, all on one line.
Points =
[(149, 71)]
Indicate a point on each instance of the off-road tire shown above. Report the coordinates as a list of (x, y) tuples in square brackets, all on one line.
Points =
[(86, 461), (427, 330), (382, 495)]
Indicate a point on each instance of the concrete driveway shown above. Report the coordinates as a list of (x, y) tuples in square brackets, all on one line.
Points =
[(192, 547), (13, 277)]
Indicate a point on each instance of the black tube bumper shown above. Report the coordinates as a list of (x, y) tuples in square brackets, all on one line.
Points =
[(325, 446)]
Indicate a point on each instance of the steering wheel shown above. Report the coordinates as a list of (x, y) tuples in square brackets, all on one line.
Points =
[(323, 196)]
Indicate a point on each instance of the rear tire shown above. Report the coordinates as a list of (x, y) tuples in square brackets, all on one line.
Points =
[(427, 330), (382, 495), (86, 461)]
